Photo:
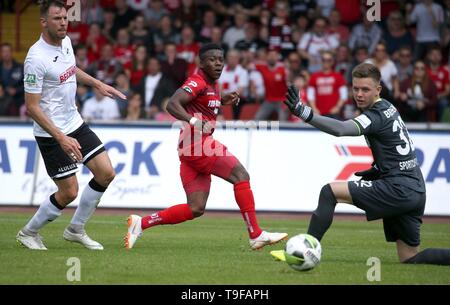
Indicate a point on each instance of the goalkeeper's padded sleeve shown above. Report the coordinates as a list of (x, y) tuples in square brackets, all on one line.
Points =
[(335, 127)]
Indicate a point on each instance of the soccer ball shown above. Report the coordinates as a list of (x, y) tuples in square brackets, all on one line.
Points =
[(303, 252)]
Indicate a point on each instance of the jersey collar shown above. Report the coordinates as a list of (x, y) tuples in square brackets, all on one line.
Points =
[(59, 48), (203, 75)]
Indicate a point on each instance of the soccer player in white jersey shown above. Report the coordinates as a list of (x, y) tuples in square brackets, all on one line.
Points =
[(64, 139)]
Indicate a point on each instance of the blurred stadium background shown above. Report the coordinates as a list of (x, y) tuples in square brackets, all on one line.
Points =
[(268, 43)]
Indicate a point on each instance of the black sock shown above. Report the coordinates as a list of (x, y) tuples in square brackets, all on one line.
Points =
[(431, 256), (96, 186), (55, 203), (323, 216)]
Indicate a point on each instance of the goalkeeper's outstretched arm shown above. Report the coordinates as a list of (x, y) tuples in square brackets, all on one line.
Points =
[(335, 127), (329, 125)]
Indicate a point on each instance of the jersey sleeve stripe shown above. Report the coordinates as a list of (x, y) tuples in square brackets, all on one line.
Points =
[(357, 125)]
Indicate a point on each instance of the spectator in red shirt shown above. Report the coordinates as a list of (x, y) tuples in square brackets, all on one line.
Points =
[(275, 78), (440, 77), (135, 69), (77, 32), (418, 96), (123, 51), (350, 11), (94, 42), (188, 48), (327, 91)]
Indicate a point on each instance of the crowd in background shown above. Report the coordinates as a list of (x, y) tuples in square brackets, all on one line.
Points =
[(147, 48)]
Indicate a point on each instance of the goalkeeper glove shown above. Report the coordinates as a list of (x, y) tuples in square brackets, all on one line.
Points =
[(296, 106)]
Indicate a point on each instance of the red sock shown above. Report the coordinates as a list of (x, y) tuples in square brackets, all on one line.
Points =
[(173, 215), (244, 198)]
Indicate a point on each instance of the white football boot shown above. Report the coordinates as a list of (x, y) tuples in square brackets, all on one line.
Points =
[(266, 238), (82, 238), (134, 231), (33, 242)]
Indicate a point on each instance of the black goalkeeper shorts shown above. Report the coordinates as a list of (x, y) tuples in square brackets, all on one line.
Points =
[(400, 207)]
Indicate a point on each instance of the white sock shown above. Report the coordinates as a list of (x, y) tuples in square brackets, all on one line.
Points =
[(46, 213), (88, 203)]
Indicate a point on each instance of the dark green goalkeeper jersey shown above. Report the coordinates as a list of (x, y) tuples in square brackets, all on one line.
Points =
[(392, 147)]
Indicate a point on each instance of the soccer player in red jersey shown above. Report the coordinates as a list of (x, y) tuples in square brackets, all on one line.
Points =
[(197, 102)]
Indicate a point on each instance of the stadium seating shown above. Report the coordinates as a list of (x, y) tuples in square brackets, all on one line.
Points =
[(227, 112), (248, 111)]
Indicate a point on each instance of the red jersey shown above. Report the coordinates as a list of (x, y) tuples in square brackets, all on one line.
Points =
[(206, 100), (123, 54), (350, 11), (274, 81), (439, 77), (188, 53), (135, 75), (326, 88), (78, 33)]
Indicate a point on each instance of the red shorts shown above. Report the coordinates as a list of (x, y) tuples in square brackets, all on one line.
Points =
[(196, 169)]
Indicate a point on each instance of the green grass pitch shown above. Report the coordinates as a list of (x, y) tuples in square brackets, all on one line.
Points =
[(210, 250)]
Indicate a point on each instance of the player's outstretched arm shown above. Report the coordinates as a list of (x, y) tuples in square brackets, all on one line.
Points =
[(104, 89), (325, 124)]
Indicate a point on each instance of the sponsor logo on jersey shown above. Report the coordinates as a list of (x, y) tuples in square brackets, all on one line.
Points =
[(30, 79), (406, 165), (67, 74), (214, 103)]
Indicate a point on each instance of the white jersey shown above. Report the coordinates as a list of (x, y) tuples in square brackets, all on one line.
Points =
[(50, 71), (232, 80)]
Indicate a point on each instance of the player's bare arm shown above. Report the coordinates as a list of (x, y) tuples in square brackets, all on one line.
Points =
[(331, 126), (68, 144), (176, 108), (104, 89)]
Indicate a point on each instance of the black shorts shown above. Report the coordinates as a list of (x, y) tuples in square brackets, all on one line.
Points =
[(400, 207), (58, 164)]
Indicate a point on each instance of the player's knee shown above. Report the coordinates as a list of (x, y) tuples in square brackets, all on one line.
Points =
[(326, 195), (109, 177), (69, 195), (197, 211), (241, 174), (106, 178)]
